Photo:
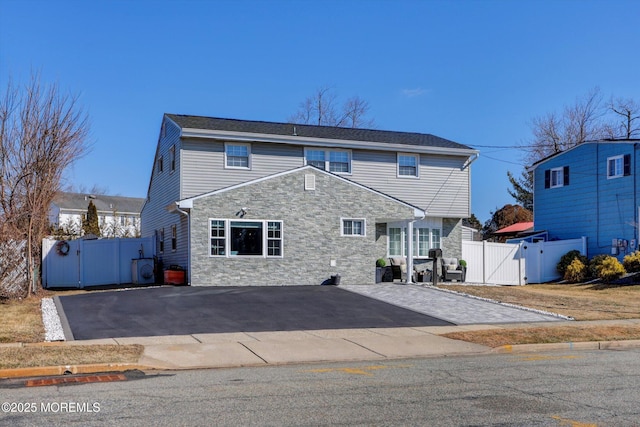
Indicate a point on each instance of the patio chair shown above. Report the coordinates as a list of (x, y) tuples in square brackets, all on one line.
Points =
[(398, 268), (452, 270)]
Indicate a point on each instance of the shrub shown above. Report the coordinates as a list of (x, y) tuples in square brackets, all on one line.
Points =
[(576, 271), (595, 265), (380, 262), (631, 262), (611, 269), (568, 258), (462, 263)]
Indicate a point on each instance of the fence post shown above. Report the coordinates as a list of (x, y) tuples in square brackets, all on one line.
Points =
[(484, 262)]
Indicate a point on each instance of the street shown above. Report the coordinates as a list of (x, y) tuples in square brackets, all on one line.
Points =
[(579, 388)]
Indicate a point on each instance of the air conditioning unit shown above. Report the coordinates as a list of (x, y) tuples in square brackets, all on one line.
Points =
[(142, 271)]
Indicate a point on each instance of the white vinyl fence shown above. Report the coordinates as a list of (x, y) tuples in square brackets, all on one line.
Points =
[(516, 263), (91, 262), (543, 257)]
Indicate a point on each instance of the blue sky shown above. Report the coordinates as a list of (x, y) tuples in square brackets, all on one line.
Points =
[(475, 72)]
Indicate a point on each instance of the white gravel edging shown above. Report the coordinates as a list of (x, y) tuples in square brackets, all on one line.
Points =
[(52, 325)]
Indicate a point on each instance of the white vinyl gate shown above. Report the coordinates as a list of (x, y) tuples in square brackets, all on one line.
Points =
[(516, 263), (91, 262)]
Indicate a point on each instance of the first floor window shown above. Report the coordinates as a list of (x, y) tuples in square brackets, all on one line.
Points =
[(218, 238), (424, 239), (353, 227), (395, 241), (161, 240), (245, 238), (274, 238)]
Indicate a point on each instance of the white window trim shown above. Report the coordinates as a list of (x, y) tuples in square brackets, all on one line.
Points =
[(327, 158), (621, 174), (416, 157), (227, 235), (364, 227), (432, 224), (237, 144), (560, 173)]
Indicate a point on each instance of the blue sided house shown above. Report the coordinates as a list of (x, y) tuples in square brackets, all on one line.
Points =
[(590, 190)]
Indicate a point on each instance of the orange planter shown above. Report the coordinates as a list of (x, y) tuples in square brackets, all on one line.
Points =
[(174, 277)]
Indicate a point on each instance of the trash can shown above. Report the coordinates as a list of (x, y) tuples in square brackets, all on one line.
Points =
[(435, 254)]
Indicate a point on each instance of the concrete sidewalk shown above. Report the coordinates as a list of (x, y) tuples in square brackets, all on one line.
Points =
[(227, 350)]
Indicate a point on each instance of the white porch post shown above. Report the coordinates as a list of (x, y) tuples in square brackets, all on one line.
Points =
[(409, 278)]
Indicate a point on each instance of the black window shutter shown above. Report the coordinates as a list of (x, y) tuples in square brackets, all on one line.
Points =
[(627, 164), (547, 178), (565, 178)]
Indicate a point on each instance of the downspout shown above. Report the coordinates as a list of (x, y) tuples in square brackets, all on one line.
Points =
[(185, 213)]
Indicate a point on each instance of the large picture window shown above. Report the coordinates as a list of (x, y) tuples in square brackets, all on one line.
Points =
[(238, 238)]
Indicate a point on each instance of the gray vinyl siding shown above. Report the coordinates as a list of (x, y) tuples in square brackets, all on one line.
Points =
[(164, 189), (443, 187), (206, 170)]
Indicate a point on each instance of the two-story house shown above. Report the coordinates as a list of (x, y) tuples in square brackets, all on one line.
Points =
[(590, 190), (237, 202), (117, 216)]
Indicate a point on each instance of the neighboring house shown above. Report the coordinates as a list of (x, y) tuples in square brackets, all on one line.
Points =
[(117, 216), (470, 234), (237, 202), (590, 190)]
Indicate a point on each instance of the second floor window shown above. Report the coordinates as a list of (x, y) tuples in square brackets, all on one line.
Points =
[(408, 165), (556, 177), (237, 156), (337, 161), (618, 166)]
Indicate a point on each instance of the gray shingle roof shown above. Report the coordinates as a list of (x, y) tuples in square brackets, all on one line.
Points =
[(312, 131), (80, 201)]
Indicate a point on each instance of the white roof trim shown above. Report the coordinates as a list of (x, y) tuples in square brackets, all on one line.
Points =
[(321, 142), (188, 203), (553, 156)]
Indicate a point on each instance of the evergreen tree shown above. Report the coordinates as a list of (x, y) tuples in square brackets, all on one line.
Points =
[(522, 190), (90, 225)]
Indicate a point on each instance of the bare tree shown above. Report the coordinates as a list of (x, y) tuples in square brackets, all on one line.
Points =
[(580, 122), (322, 109), (626, 121), (42, 132)]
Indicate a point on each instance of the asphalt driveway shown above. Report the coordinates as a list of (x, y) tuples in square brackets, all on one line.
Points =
[(198, 310)]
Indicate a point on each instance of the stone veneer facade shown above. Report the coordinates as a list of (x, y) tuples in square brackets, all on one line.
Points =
[(312, 239)]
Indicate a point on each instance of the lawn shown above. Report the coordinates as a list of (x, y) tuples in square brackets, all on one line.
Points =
[(21, 322), (579, 301)]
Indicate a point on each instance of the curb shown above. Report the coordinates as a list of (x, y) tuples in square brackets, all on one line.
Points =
[(566, 346), (45, 371)]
